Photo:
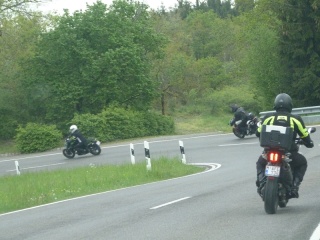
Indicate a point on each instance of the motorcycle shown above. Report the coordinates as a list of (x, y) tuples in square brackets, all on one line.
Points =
[(251, 126), (71, 148), (276, 141)]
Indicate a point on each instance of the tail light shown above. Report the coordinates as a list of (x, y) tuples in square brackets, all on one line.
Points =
[(274, 156)]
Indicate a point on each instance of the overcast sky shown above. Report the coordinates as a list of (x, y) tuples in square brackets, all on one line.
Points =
[(73, 5)]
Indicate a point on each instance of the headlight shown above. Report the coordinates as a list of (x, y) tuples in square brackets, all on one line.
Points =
[(98, 143)]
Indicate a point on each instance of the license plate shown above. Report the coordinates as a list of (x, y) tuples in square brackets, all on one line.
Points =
[(273, 171)]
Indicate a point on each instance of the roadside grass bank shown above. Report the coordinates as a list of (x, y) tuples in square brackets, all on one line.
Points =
[(190, 124), (33, 189)]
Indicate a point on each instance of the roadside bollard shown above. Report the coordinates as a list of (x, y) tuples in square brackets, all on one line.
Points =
[(147, 154), (17, 167), (133, 159), (184, 161)]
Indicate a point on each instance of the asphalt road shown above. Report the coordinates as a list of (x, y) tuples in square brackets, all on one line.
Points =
[(219, 204)]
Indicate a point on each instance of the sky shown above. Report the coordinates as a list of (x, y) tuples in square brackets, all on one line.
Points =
[(73, 5)]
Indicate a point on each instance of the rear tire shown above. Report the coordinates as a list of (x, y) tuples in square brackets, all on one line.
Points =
[(237, 133), (271, 198), (95, 149), (69, 153)]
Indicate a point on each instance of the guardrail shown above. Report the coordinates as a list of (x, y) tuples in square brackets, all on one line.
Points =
[(310, 115)]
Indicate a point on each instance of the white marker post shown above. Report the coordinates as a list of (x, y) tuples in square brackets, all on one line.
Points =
[(184, 161), (133, 160), (17, 167), (147, 154)]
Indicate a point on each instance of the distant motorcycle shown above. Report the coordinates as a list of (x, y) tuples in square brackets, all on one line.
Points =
[(249, 129), (71, 148)]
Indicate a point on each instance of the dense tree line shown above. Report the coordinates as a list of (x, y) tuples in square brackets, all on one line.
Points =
[(202, 56)]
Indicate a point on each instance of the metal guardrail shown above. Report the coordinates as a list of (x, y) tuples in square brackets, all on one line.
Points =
[(310, 115)]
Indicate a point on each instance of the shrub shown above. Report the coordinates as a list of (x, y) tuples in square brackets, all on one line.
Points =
[(117, 123), (37, 138)]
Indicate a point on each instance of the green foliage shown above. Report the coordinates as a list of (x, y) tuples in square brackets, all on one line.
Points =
[(116, 123), (218, 102), (210, 36), (262, 67), (299, 50), (93, 59), (18, 36), (37, 138)]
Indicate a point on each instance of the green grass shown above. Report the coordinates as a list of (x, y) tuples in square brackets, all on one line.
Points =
[(7, 147), (190, 124), (33, 189)]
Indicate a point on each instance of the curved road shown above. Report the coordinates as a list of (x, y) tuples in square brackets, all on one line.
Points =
[(219, 204)]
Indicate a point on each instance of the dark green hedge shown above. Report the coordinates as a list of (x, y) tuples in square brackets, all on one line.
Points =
[(117, 123), (37, 138), (111, 124)]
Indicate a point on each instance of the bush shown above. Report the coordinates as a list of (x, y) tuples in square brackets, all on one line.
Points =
[(37, 138), (117, 123)]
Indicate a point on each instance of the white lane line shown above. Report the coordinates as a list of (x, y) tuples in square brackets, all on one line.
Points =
[(169, 203), (37, 167), (316, 233), (38, 156), (238, 144)]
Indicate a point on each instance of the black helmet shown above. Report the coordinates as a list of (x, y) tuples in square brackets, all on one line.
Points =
[(283, 102), (234, 107)]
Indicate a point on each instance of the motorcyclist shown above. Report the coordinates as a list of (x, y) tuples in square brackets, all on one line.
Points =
[(283, 117), (239, 114), (75, 132)]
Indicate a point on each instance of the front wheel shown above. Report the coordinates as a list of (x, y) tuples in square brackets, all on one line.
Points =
[(270, 196), (95, 149), (69, 153)]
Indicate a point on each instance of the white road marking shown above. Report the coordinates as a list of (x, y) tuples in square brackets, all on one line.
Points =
[(169, 203), (36, 167), (316, 233), (15, 159), (238, 144)]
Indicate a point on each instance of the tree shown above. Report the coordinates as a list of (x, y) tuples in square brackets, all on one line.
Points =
[(242, 6), (300, 50), (17, 43), (93, 59), (258, 47), (9, 7)]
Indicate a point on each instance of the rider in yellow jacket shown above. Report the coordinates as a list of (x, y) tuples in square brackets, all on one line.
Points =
[(283, 117)]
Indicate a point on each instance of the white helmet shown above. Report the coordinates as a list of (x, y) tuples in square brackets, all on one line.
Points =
[(73, 128)]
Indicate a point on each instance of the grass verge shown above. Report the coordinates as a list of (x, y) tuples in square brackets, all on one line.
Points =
[(33, 189)]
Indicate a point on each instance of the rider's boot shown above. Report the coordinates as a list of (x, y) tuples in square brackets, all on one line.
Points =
[(261, 181), (295, 188)]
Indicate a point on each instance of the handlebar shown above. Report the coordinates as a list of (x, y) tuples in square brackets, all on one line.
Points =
[(300, 141)]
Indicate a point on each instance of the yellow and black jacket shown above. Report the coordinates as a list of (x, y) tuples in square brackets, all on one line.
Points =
[(286, 119)]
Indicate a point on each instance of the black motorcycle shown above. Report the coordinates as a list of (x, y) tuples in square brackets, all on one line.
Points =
[(71, 148), (276, 141), (241, 130)]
